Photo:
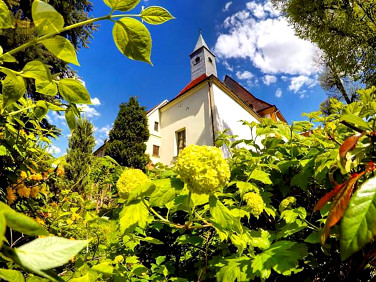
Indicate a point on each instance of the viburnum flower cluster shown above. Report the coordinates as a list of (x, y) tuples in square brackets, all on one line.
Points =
[(129, 180), (203, 169), (287, 203), (255, 203)]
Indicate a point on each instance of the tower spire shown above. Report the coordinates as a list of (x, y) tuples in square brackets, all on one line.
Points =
[(202, 59)]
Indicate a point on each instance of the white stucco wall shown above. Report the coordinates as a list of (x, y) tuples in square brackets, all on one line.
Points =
[(191, 112), (155, 136), (227, 115)]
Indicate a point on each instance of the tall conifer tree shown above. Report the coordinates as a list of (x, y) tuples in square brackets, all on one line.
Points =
[(80, 154), (128, 136)]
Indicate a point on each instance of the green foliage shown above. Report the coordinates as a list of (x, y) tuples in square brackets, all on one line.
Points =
[(79, 155), (127, 138)]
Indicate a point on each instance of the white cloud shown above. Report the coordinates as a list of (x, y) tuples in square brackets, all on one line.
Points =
[(298, 82), (278, 93), (228, 66), (89, 111), (269, 79), (95, 101), (245, 75), (261, 34), (227, 6), (53, 150)]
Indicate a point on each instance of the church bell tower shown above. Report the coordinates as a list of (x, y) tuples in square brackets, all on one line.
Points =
[(202, 60)]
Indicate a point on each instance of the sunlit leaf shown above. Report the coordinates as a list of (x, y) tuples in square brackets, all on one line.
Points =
[(73, 91), (62, 48), (133, 215), (14, 88), (261, 176), (156, 15), (5, 16), (46, 18), (11, 275), (132, 39), (121, 5), (349, 144), (359, 221), (71, 119)]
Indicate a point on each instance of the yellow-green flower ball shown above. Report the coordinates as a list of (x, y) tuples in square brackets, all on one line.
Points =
[(255, 203), (287, 203), (129, 180), (203, 169)]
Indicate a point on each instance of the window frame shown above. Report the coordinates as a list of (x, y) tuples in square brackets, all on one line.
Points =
[(156, 148), (156, 126), (184, 139)]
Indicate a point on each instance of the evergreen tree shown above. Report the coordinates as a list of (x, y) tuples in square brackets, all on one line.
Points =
[(80, 154), (128, 136)]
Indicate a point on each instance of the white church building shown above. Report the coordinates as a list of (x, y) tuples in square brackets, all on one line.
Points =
[(204, 107)]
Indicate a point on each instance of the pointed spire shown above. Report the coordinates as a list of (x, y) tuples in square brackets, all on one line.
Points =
[(200, 43)]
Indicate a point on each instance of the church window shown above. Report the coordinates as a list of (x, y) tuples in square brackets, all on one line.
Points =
[(210, 60), (156, 126), (197, 60), (155, 151), (180, 140)]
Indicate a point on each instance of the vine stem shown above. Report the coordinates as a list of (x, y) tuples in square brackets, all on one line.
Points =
[(46, 36)]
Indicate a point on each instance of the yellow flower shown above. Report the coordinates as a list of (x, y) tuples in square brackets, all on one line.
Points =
[(129, 180), (69, 221), (34, 191), (203, 169), (23, 175), (36, 177), (287, 203), (11, 195), (255, 203), (23, 191)]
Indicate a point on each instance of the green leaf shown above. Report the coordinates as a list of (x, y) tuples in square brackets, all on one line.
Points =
[(223, 219), (152, 240), (245, 187), (142, 190), (3, 150), (14, 88), (236, 270), (313, 238), (41, 109), (132, 216), (20, 222), (283, 257), (3, 227), (7, 58), (291, 228), (43, 254), (73, 91), (163, 194), (261, 239), (133, 39), (189, 239), (71, 119), (5, 16), (62, 48), (290, 215), (85, 278), (356, 120), (46, 18), (156, 15), (359, 222), (11, 275), (260, 176), (42, 75), (105, 268), (121, 5)]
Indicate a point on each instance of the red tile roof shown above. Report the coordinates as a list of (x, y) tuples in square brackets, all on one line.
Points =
[(192, 84)]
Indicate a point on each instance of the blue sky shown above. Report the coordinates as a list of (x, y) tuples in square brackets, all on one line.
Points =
[(253, 44)]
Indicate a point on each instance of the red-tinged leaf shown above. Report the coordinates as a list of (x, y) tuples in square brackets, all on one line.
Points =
[(321, 203), (339, 205), (349, 144)]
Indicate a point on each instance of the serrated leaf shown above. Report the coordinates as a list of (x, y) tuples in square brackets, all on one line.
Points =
[(133, 39), (46, 18), (142, 190), (359, 223), (339, 205), (3, 150), (290, 215), (261, 239), (73, 91), (71, 119), (163, 193), (43, 254), (356, 120), (245, 187), (121, 5), (20, 222), (283, 257), (260, 176), (133, 215), (14, 88), (5, 16), (11, 275), (62, 48), (156, 15)]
